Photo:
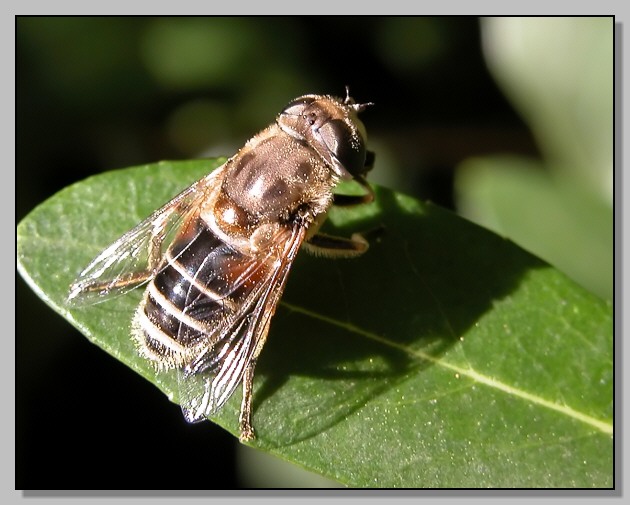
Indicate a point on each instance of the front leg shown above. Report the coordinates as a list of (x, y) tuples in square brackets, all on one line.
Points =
[(348, 200)]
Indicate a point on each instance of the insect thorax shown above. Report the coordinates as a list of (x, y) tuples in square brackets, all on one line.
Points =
[(273, 177)]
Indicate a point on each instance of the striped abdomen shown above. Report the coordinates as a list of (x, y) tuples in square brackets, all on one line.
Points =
[(191, 303)]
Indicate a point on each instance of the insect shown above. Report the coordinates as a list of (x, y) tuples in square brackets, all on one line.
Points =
[(215, 259)]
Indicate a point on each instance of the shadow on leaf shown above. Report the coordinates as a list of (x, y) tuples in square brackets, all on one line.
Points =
[(349, 331)]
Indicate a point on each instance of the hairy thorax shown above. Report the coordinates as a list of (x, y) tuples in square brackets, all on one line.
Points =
[(274, 180)]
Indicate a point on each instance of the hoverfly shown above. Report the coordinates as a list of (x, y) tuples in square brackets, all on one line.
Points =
[(215, 258)]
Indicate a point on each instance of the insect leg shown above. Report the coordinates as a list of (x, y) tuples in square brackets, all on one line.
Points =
[(337, 247), (130, 279), (348, 200), (245, 418), (247, 432)]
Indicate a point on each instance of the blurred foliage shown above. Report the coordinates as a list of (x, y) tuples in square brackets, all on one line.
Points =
[(95, 94), (559, 74), (103, 93)]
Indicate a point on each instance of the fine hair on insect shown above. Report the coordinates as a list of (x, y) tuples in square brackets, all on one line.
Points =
[(214, 260)]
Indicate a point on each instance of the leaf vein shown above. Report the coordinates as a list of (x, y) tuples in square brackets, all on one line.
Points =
[(603, 426)]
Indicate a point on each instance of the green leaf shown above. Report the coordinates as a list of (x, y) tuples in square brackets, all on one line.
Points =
[(444, 357)]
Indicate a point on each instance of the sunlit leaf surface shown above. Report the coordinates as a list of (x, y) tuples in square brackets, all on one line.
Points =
[(444, 357)]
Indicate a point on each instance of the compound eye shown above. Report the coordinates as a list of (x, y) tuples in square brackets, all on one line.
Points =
[(346, 146)]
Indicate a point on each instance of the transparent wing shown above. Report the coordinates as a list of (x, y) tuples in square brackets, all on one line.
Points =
[(136, 257), (211, 378)]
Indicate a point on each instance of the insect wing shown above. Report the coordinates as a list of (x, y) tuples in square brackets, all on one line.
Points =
[(209, 381), (136, 257)]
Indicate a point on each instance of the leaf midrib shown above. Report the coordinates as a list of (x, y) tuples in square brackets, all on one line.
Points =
[(603, 426)]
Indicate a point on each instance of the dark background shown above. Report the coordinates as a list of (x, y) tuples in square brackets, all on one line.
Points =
[(94, 94)]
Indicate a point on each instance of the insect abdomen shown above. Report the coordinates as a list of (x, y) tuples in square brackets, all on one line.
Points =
[(190, 299)]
